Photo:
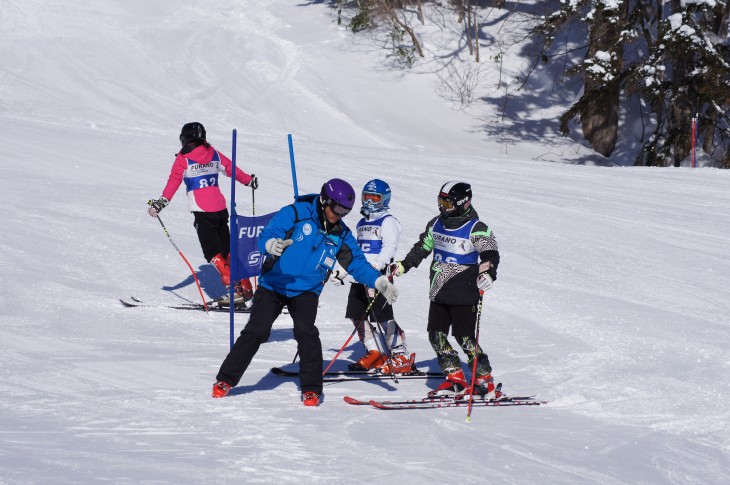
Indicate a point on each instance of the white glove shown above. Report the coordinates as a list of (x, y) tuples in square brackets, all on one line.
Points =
[(277, 246), (371, 293), (254, 183), (387, 289), (484, 281), (338, 277), (156, 206)]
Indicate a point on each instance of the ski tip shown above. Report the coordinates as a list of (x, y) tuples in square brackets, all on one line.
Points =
[(352, 400), (379, 405)]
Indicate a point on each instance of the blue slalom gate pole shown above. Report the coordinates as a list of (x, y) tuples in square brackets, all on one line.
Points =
[(293, 167), (234, 238)]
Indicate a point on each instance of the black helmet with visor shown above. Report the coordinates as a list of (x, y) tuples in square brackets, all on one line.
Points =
[(454, 199)]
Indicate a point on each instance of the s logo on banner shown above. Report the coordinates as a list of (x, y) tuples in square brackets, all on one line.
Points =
[(254, 259)]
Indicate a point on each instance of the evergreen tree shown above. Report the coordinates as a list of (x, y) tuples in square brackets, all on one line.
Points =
[(675, 60)]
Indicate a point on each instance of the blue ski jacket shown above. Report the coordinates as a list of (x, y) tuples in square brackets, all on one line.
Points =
[(307, 264)]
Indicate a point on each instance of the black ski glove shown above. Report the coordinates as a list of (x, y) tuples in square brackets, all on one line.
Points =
[(156, 205)]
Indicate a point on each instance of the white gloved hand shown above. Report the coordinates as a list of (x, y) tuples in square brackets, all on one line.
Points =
[(387, 289), (276, 246), (371, 293), (484, 281), (338, 277)]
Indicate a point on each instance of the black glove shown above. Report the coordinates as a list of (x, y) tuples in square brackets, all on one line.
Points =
[(157, 205), (254, 183)]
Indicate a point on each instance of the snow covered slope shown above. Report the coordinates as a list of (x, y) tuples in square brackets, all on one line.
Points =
[(611, 303)]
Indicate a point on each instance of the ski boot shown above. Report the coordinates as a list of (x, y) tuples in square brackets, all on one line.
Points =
[(243, 287), (221, 265), (484, 389), (454, 384), (372, 359), (401, 364), (221, 389), (310, 398)]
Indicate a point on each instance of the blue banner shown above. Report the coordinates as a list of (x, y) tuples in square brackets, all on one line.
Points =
[(250, 258)]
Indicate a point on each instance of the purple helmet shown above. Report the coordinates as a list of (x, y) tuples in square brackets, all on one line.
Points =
[(337, 192)]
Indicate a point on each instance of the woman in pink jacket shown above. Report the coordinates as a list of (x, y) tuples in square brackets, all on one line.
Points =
[(198, 165)]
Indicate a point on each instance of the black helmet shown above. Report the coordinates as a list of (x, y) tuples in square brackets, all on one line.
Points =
[(454, 198), (192, 131)]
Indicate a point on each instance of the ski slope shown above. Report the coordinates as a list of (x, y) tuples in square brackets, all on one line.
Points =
[(611, 302)]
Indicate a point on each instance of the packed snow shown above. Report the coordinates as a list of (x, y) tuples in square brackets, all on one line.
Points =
[(611, 302)]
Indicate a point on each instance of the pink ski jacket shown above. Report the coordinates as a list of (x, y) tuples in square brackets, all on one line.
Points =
[(199, 170)]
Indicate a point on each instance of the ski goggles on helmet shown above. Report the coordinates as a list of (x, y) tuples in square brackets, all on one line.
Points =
[(371, 197), (446, 203), (338, 209)]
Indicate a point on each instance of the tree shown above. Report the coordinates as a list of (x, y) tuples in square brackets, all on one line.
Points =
[(672, 56), (686, 72), (675, 60)]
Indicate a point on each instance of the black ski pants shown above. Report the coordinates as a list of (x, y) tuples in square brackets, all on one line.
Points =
[(267, 306), (462, 319), (213, 233)]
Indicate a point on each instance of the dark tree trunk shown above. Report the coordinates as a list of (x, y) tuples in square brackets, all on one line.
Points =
[(599, 116)]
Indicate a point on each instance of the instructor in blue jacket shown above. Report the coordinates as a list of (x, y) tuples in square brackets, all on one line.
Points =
[(302, 243)]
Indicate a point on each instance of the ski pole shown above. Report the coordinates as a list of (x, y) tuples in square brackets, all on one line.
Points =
[(205, 304), (387, 352), (383, 334), (232, 243), (367, 310), (384, 337), (476, 351), (293, 167), (253, 210)]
